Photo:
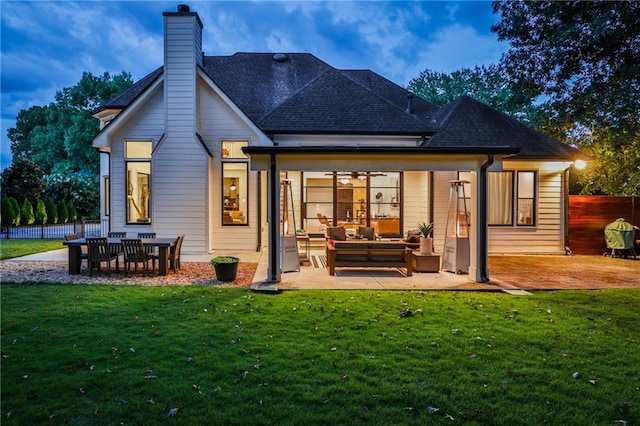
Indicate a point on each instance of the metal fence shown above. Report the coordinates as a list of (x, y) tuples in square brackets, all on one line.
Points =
[(84, 228)]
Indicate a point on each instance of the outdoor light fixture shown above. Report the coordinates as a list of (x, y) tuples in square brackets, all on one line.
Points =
[(345, 181), (233, 185), (579, 164)]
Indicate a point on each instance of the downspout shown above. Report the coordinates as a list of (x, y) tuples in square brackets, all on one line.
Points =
[(273, 221), (259, 205), (482, 220)]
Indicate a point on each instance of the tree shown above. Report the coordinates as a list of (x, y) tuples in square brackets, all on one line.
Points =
[(15, 207), (489, 85), (8, 213), (73, 214), (23, 179), (26, 213), (81, 189), (52, 211), (63, 214), (582, 58), (41, 213), (58, 136)]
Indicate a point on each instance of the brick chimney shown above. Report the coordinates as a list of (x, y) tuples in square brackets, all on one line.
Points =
[(182, 54)]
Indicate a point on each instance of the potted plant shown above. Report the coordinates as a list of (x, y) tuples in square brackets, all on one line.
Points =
[(226, 267), (426, 240)]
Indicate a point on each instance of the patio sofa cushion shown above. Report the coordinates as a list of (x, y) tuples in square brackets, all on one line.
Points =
[(368, 254)]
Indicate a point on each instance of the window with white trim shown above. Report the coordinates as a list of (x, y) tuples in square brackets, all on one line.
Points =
[(138, 181), (235, 183), (509, 192)]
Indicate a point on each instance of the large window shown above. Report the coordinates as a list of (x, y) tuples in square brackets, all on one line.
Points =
[(511, 192), (353, 199), (138, 181), (235, 183)]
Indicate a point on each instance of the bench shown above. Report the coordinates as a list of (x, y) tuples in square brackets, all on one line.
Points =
[(368, 254)]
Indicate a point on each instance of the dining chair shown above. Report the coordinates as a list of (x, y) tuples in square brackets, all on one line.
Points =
[(149, 249), (324, 222), (98, 251), (174, 254), (83, 250), (134, 252), (116, 249)]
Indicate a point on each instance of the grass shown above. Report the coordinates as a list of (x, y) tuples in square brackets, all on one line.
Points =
[(130, 354), (10, 249)]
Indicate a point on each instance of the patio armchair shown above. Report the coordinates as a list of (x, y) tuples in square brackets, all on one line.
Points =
[(174, 254), (98, 251), (134, 252)]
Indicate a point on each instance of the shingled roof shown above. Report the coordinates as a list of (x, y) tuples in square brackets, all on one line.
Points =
[(468, 123), (297, 93)]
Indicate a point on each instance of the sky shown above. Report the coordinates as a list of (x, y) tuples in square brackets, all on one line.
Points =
[(47, 45)]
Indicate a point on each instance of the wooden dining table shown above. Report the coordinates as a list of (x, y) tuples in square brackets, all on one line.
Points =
[(164, 245)]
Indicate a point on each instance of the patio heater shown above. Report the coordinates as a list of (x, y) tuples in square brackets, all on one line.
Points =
[(289, 259), (455, 257)]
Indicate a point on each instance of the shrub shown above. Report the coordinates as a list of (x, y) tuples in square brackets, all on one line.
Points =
[(16, 211), (73, 214), (52, 211), (41, 213), (8, 215), (63, 213), (26, 214)]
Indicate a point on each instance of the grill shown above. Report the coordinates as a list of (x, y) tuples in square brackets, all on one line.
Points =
[(620, 236)]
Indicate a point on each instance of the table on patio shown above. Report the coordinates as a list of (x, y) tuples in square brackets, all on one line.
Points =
[(163, 244)]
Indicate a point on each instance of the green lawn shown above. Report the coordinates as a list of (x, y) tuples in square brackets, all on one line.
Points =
[(90, 354), (22, 247)]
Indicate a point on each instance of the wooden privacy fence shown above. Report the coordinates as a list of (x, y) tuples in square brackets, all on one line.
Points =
[(588, 216)]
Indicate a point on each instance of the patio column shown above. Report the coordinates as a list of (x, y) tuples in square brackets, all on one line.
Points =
[(273, 217)]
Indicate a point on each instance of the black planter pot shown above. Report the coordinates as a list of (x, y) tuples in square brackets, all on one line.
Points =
[(226, 271)]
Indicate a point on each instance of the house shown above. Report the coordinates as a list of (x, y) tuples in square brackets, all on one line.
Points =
[(201, 145)]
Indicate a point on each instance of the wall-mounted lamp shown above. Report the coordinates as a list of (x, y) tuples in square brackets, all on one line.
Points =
[(579, 164), (345, 181), (233, 186)]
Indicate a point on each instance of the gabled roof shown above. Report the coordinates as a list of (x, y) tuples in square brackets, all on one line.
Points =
[(467, 123), (297, 93), (125, 98)]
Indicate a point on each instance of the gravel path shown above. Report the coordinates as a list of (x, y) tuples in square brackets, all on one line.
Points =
[(191, 273)]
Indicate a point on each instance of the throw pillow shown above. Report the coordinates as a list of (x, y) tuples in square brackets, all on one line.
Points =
[(367, 233), (337, 233)]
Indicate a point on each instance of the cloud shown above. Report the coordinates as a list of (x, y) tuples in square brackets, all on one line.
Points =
[(47, 45), (471, 48)]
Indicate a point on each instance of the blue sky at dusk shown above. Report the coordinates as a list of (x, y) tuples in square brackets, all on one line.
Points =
[(46, 46)]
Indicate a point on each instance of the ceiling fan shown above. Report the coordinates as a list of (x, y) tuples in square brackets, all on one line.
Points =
[(355, 175)]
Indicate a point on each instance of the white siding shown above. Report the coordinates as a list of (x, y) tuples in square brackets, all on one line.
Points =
[(547, 236), (416, 200), (148, 125), (441, 191), (219, 122)]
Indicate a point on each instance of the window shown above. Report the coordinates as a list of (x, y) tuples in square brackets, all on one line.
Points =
[(235, 183), (353, 199), (526, 197), (138, 180), (505, 188), (107, 195)]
